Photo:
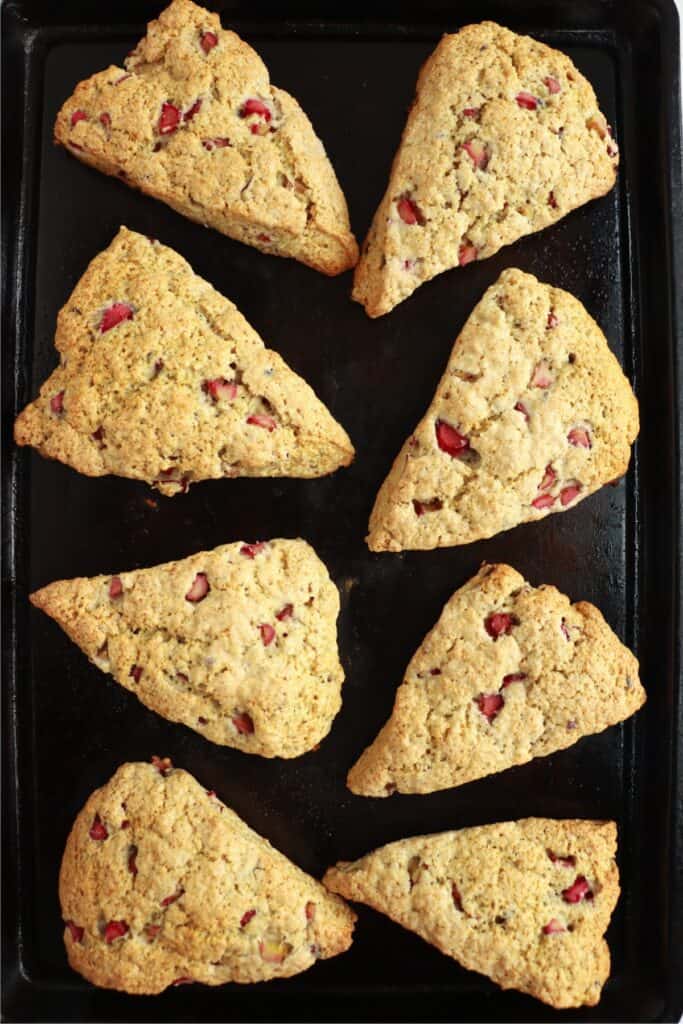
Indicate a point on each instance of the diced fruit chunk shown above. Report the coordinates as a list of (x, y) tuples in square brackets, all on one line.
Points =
[(136, 672), (199, 589), (552, 320), (579, 437), (75, 930), (169, 119), (194, 109), (254, 106), (115, 588), (568, 493), (57, 403), (285, 613), (208, 41), (578, 891), (513, 677), (549, 478), (543, 501), (246, 918), (115, 930), (553, 927), (219, 388), (451, 440), (267, 633), (541, 377), (421, 507), (471, 112), (252, 550), (78, 115), (243, 723), (520, 407), (478, 153), (552, 84), (163, 765), (259, 420), (565, 862), (271, 951), (309, 910), (115, 315), (498, 623), (467, 253), (173, 898), (526, 100), (489, 704), (185, 980), (409, 212), (98, 829)]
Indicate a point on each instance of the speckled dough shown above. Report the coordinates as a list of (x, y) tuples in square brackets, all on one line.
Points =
[(162, 379), (194, 121), (162, 884), (532, 415), (510, 672), (504, 137), (238, 643), (525, 902)]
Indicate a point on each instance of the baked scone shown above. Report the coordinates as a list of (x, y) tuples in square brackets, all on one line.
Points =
[(525, 902), (162, 379), (532, 414), (510, 672), (194, 121), (504, 137), (161, 884), (238, 643)]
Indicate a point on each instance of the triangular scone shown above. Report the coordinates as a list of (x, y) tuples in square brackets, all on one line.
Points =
[(504, 138), (510, 672), (162, 379), (238, 643), (532, 415), (194, 121), (161, 884), (525, 902)]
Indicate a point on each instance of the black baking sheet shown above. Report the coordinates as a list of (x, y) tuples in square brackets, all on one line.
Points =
[(68, 726)]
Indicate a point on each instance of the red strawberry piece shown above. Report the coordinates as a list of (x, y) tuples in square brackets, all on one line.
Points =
[(549, 478), (409, 212), (254, 106), (513, 677), (252, 550), (98, 829), (309, 910), (185, 980), (552, 320), (578, 891), (215, 143), (566, 862), (553, 927), (520, 407), (219, 388), (75, 930), (451, 440), (163, 765), (115, 587), (455, 893), (105, 119), (489, 704), (285, 613), (125, 823), (565, 630), (267, 633), (246, 918), (271, 951), (132, 855), (552, 201), (121, 79), (57, 403), (73, 145), (136, 672), (208, 41), (151, 931), (78, 115), (114, 930), (541, 377), (435, 505), (478, 153), (259, 128), (552, 84), (115, 315), (498, 623), (172, 899), (194, 109), (467, 254), (472, 112), (243, 723), (526, 100), (568, 493), (169, 119), (259, 420), (579, 437), (199, 589), (435, 671), (543, 501)]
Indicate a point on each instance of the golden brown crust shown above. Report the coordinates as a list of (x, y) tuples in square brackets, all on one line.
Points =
[(174, 125), (193, 893), (492, 897)]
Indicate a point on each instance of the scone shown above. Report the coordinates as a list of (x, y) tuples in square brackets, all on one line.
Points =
[(504, 137), (532, 415), (510, 672), (525, 902), (238, 643), (194, 121), (161, 884), (162, 379)]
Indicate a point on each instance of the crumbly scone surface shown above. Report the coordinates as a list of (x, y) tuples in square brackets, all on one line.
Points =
[(509, 672), (162, 379), (238, 643), (504, 137), (525, 902), (194, 121), (162, 884), (532, 415)]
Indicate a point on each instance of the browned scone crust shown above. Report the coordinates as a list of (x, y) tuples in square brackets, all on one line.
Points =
[(238, 643), (477, 166), (492, 897), (545, 415), (174, 124), (193, 893), (162, 379), (509, 673)]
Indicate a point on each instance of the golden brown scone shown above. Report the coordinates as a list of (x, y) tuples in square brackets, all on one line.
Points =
[(532, 415), (510, 672), (238, 643), (161, 884), (162, 379), (194, 121), (504, 137), (525, 902)]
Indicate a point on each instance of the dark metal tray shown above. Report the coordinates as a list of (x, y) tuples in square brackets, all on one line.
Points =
[(67, 726)]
